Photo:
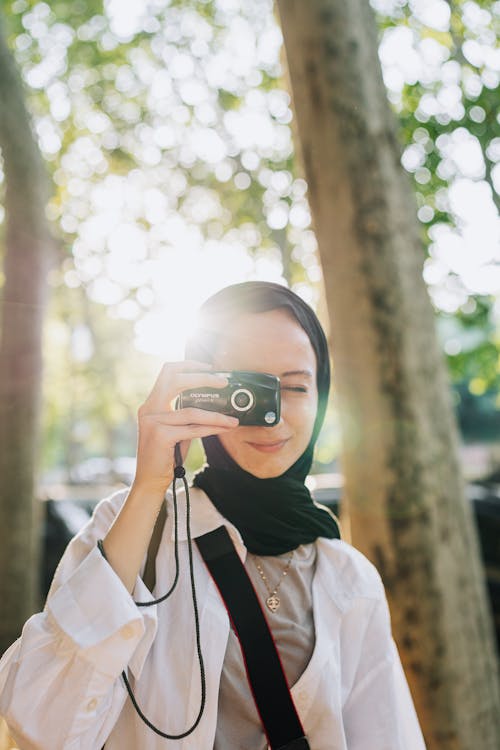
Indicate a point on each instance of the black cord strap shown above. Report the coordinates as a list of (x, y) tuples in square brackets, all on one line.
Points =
[(179, 473), (262, 662), (267, 679)]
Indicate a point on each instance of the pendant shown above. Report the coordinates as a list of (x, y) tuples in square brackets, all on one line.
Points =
[(273, 602)]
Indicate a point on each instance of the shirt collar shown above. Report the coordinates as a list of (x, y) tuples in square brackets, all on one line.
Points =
[(204, 516)]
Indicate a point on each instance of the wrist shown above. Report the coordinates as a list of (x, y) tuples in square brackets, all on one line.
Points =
[(148, 491)]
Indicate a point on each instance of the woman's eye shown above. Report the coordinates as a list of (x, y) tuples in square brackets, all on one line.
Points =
[(295, 388)]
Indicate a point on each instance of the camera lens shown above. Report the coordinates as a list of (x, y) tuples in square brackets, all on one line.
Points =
[(242, 399)]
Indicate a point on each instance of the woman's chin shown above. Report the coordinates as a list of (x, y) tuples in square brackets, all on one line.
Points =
[(266, 469), (264, 459)]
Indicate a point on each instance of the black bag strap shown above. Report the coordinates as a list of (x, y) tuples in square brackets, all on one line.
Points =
[(267, 680), (149, 575)]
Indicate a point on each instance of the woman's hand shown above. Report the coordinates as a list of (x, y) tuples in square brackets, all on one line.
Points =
[(160, 426)]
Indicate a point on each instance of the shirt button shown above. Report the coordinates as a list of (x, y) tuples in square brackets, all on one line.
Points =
[(92, 704), (127, 632)]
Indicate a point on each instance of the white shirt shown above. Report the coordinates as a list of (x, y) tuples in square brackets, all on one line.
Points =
[(61, 686)]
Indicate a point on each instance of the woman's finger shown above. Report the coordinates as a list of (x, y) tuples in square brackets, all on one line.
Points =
[(190, 431), (168, 369), (194, 416), (165, 391)]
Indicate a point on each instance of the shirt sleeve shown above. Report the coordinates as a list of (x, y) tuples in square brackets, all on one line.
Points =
[(379, 713), (60, 686)]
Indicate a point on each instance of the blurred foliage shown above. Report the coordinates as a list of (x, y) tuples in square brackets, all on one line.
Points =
[(451, 106), (94, 381), (178, 111)]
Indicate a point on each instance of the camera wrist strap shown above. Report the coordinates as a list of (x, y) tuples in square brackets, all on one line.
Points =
[(265, 673)]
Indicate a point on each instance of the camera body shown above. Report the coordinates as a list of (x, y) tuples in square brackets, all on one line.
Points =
[(253, 397)]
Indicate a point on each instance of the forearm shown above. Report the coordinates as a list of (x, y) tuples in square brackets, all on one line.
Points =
[(128, 538), (88, 633), (50, 697)]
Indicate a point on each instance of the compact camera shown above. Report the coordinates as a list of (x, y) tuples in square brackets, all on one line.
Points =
[(253, 397)]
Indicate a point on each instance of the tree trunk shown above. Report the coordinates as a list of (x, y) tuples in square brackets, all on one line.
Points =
[(403, 484), (26, 261)]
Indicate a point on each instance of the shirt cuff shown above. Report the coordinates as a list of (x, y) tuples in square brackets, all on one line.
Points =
[(96, 612)]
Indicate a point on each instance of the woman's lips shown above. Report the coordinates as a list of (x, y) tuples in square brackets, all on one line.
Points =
[(268, 447)]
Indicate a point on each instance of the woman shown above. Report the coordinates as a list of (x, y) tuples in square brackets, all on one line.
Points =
[(60, 684)]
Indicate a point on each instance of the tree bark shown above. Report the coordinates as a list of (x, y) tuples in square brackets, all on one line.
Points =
[(27, 256), (403, 484)]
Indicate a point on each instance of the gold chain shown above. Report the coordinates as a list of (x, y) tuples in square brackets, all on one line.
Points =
[(273, 601)]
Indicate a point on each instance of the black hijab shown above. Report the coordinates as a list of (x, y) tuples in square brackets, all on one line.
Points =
[(272, 515)]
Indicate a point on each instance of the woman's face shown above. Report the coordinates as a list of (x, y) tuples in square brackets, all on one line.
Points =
[(275, 343)]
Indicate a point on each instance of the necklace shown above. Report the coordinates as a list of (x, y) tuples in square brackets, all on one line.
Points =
[(273, 601)]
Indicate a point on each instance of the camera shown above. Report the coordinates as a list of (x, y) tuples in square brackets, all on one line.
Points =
[(253, 397)]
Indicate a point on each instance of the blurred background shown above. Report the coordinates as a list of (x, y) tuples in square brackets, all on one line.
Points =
[(166, 170), (166, 132), (166, 129)]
